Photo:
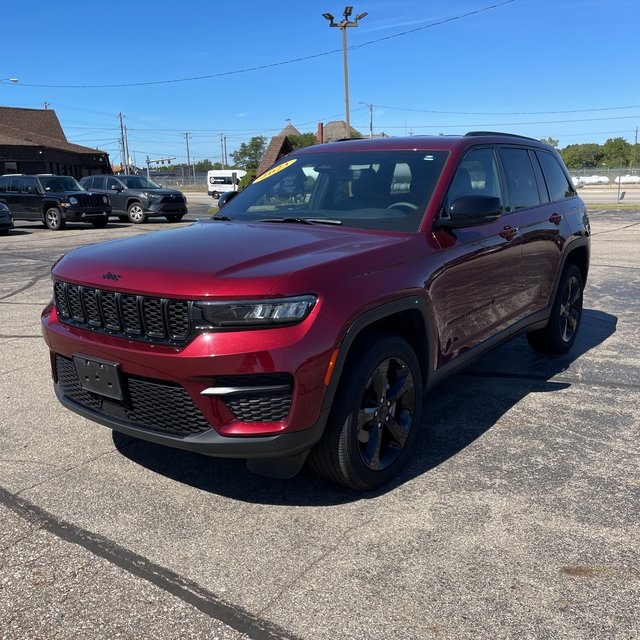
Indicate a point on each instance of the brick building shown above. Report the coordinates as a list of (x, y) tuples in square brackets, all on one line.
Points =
[(32, 141)]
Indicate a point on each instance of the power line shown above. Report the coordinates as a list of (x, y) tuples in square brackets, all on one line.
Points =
[(273, 64)]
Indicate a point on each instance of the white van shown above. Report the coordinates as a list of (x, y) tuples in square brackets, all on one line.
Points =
[(223, 180)]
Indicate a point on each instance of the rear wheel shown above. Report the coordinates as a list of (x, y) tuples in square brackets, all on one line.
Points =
[(136, 213), (375, 415), (174, 217), (53, 219), (562, 328)]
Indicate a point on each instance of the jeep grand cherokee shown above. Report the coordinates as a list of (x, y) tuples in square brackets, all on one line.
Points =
[(308, 318)]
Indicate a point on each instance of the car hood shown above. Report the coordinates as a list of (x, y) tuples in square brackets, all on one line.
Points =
[(160, 192), (233, 259)]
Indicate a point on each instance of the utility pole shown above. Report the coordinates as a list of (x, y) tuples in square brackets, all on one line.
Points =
[(343, 25), (187, 135), (126, 149), (370, 117), (122, 145), (222, 154)]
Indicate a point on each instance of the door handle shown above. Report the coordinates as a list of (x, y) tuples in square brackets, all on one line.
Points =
[(508, 232), (555, 218)]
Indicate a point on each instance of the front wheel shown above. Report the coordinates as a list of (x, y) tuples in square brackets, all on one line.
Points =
[(375, 415), (53, 219), (136, 213), (562, 327)]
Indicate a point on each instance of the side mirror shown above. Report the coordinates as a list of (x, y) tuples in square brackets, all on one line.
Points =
[(471, 211), (226, 197)]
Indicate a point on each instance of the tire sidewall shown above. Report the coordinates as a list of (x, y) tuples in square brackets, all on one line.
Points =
[(560, 345), (133, 206), (348, 405), (58, 217)]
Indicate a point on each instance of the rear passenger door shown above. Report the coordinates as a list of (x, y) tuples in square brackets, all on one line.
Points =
[(537, 219)]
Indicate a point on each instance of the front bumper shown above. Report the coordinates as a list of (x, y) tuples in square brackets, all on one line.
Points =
[(162, 208), (85, 214), (180, 396)]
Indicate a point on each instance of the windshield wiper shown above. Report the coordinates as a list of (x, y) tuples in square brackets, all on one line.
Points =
[(222, 218), (304, 220)]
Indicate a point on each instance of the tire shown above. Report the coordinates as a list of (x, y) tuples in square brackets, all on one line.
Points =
[(136, 213), (174, 217), (100, 224), (368, 436), (562, 327), (53, 219), (215, 195)]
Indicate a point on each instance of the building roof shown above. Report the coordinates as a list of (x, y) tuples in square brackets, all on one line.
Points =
[(290, 130), (335, 130), (36, 127), (278, 147)]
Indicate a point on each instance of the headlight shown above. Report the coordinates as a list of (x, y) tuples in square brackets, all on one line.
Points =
[(253, 313), (73, 200), (105, 199)]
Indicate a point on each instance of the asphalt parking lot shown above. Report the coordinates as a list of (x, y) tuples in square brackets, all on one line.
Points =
[(517, 517)]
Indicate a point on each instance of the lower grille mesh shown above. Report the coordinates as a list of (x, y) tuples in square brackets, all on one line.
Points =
[(156, 406)]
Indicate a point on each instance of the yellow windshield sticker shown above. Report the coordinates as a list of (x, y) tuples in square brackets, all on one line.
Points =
[(272, 172)]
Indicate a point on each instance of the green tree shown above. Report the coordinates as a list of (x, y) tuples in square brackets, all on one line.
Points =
[(250, 153), (552, 142), (303, 140), (617, 152), (203, 165), (577, 156)]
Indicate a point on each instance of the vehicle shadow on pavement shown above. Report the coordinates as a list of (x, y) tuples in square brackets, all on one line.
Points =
[(455, 414)]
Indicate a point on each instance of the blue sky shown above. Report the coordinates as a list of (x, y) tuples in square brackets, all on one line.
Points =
[(566, 69)]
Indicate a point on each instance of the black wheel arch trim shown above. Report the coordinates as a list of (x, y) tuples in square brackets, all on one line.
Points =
[(367, 320)]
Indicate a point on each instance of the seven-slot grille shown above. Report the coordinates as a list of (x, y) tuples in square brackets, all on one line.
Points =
[(89, 200), (131, 316)]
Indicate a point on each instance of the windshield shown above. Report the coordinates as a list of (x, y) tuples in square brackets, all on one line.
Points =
[(60, 183), (386, 190), (139, 182)]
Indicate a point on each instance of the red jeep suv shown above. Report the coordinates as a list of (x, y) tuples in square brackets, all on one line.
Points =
[(307, 319)]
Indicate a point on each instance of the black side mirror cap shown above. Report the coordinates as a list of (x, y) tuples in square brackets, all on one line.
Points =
[(226, 197), (471, 211)]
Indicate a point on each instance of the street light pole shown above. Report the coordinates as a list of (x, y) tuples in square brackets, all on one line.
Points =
[(370, 117), (343, 25)]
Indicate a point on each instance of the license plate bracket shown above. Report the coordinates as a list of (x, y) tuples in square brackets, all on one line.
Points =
[(99, 376)]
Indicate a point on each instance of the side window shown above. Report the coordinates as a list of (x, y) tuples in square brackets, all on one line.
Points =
[(520, 178), (98, 183), (476, 175), (88, 183), (557, 182), (3, 184), (14, 185), (112, 183), (29, 185)]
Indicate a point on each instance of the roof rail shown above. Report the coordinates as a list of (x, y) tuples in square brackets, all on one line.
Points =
[(497, 133)]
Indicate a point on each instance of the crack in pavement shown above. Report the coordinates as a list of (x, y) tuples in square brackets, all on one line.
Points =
[(186, 590)]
